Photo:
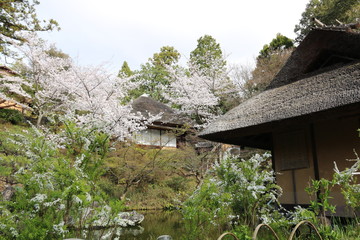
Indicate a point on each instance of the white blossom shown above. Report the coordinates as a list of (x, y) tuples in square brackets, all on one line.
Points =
[(59, 228), (50, 204), (39, 198), (14, 232), (107, 235), (88, 197), (198, 92), (89, 95), (77, 200)]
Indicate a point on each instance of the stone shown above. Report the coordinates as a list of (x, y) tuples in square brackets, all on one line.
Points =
[(8, 193), (164, 237)]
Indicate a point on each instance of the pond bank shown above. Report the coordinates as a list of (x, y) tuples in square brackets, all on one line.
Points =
[(155, 224)]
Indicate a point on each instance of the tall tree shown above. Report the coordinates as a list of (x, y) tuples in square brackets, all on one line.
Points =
[(208, 60), (203, 90), (280, 42), (19, 16), (194, 94), (268, 63), (125, 70), (167, 56), (154, 76), (88, 95), (265, 71), (208, 55), (327, 11)]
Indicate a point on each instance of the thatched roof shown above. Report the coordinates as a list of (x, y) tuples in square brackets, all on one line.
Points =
[(7, 71), (297, 90), (146, 106), (321, 48)]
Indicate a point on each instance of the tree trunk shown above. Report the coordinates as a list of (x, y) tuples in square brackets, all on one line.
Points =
[(38, 122)]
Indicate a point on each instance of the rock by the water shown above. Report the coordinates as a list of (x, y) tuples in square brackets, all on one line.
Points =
[(133, 216), (164, 237)]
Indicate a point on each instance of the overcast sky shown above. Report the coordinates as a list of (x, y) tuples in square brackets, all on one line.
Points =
[(112, 31)]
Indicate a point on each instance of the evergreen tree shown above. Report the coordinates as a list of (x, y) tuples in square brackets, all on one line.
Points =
[(207, 55), (17, 17), (125, 70), (280, 42), (154, 75), (328, 12), (270, 60), (209, 60)]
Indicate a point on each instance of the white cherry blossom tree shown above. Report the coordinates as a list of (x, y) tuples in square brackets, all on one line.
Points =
[(89, 95), (200, 92)]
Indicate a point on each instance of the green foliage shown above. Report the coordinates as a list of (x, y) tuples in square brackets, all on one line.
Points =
[(125, 70), (348, 230), (327, 11), (281, 42), (154, 76), (167, 56), (19, 16), (148, 177), (349, 184), (252, 185), (243, 232), (177, 183), (321, 190), (206, 209), (11, 115), (56, 53), (264, 72), (55, 191), (243, 192), (208, 61), (208, 52), (10, 148), (92, 146), (270, 60)]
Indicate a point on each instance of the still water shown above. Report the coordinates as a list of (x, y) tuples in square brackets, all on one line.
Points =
[(155, 224)]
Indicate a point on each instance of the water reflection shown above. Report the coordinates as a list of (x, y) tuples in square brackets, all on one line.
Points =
[(155, 224)]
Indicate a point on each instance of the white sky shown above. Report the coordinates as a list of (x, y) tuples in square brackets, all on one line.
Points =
[(113, 31)]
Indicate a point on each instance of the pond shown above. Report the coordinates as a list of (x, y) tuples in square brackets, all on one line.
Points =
[(155, 224)]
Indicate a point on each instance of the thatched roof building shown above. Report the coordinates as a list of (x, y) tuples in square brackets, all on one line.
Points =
[(161, 132), (322, 74), (147, 107), (308, 116)]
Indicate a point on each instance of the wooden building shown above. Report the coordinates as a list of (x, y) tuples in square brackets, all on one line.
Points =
[(162, 132), (308, 117)]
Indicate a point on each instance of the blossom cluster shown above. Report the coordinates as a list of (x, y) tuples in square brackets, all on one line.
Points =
[(55, 85), (198, 90)]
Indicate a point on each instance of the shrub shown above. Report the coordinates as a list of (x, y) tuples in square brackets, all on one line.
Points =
[(12, 116), (177, 183), (252, 186), (55, 191), (240, 192)]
